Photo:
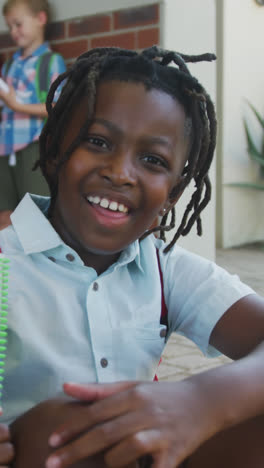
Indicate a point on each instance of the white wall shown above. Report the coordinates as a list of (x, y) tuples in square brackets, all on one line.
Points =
[(189, 26), (243, 78)]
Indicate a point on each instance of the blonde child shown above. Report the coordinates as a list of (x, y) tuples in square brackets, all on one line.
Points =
[(24, 108)]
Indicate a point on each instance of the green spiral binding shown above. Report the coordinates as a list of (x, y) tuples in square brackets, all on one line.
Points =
[(4, 273)]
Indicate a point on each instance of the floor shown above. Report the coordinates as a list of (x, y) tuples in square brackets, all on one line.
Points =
[(181, 357)]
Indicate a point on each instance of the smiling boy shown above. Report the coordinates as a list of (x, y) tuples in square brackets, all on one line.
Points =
[(125, 138)]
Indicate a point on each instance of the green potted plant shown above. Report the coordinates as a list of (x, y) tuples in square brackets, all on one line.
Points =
[(254, 153)]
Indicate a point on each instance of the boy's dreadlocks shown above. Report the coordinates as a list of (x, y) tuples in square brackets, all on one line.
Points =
[(149, 67)]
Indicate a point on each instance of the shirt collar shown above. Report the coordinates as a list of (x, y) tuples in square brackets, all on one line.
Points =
[(42, 49), (38, 235), (130, 254)]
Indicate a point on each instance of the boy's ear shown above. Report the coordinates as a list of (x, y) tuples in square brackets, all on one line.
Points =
[(42, 17), (173, 198)]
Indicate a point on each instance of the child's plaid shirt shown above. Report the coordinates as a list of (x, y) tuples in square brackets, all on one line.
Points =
[(18, 130)]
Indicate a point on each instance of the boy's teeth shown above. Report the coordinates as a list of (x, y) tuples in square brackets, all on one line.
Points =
[(96, 200), (113, 205), (104, 203), (122, 208)]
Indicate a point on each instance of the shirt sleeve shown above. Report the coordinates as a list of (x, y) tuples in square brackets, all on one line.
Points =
[(197, 293), (57, 67)]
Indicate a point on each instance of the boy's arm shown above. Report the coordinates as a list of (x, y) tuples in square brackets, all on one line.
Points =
[(170, 420), (239, 334), (241, 328), (37, 110)]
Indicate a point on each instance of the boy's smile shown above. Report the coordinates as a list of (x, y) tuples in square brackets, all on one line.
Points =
[(108, 212), (119, 178)]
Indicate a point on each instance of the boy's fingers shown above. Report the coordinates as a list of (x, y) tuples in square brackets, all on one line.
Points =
[(101, 411), (134, 447), (92, 392), (138, 445), (4, 433), (6, 453)]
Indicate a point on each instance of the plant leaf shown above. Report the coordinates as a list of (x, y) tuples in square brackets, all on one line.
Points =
[(257, 114), (254, 153)]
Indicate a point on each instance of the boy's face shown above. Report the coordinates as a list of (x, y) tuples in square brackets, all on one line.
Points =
[(26, 28), (120, 177)]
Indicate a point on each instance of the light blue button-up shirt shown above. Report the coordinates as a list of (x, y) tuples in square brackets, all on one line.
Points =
[(66, 323)]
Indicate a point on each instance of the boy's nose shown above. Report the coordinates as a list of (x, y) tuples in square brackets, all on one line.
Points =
[(120, 170), (13, 31)]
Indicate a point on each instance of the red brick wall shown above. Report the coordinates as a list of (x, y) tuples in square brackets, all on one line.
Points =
[(134, 28)]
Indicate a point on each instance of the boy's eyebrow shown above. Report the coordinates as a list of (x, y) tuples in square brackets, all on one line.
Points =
[(148, 139), (109, 125)]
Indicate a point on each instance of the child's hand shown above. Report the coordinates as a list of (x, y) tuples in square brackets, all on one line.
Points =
[(6, 448), (10, 98), (30, 433), (130, 420)]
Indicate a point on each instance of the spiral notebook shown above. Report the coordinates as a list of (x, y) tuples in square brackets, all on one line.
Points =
[(4, 274)]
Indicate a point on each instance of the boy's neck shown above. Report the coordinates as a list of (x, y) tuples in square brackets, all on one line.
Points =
[(27, 51)]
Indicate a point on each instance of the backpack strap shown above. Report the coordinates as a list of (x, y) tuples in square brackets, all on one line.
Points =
[(42, 75), (7, 66), (164, 310)]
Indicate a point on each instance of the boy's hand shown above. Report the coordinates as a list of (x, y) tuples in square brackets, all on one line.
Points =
[(31, 430), (6, 448), (129, 420), (9, 98)]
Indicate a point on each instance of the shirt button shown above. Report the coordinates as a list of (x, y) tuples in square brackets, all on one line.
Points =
[(104, 362), (70, 257), (52, 259), (95, 286), (163, 332)]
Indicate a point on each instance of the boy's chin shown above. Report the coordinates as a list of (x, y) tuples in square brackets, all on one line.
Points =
[(21, 43)]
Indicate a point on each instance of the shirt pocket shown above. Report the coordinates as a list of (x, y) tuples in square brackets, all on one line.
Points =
[(140, 349)]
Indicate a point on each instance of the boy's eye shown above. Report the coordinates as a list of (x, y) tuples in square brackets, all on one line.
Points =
[(97, 141), (155, 160)]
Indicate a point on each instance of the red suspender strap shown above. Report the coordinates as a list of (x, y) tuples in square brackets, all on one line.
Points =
[(164, 310)]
